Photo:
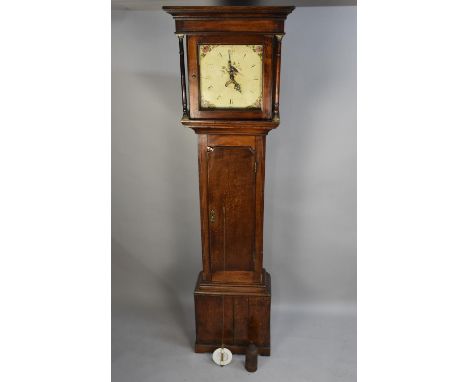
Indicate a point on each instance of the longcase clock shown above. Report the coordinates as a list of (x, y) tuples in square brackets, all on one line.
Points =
[(233, 75)]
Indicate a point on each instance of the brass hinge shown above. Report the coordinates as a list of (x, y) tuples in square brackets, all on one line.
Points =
[(255, 167)]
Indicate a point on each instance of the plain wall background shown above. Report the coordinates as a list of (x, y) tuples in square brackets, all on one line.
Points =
[(310, 194)]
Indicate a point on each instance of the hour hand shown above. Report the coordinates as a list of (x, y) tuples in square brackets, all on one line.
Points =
[(235, 83)]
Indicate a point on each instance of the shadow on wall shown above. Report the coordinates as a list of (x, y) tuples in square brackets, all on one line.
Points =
[(310, 194), (155, 240)]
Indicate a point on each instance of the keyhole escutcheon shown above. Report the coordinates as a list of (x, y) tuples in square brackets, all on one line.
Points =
[(212, 216)]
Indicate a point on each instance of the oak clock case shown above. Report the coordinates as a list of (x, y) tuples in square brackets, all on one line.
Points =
[(233, 73)]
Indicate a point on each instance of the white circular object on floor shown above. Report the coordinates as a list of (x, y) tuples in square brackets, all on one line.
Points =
[(222, 356)]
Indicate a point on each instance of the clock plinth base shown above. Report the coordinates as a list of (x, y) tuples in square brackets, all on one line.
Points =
[(234, 315)]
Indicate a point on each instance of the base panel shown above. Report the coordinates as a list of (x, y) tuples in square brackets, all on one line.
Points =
[(233, 315)]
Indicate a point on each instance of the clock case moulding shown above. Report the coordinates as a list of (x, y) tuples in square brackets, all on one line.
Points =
[(233, 290)]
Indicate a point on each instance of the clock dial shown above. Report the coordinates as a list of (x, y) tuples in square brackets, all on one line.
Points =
[(231, 76)]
